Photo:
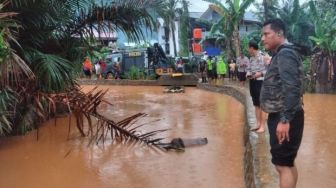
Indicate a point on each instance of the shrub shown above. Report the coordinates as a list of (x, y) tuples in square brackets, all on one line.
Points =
[(135, 74)]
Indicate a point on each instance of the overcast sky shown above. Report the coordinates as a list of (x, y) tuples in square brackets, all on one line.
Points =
[(198, 6), (201, 6)]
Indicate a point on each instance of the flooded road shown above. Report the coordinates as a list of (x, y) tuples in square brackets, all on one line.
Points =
[(55, 162), (316, 159)]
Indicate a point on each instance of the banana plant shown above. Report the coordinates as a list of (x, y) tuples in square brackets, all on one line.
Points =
[(325, 41), (298, 23), (232, 12)]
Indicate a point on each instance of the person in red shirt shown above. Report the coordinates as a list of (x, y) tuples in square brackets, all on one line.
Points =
[(179, 65), (87, 67)]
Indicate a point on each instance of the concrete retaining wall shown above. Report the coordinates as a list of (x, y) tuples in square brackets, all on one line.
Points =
[(119, 82)]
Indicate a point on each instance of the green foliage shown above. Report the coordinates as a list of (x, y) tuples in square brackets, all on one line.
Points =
[(244, 45), (169, 12), (152, 77), (7, 103), (50, 43), (309, 78), (232, 13), (325, 29), (324, 38), (184, 30), (306, 65), (3, 48), (298, 23), (53, 72), (135, 74)]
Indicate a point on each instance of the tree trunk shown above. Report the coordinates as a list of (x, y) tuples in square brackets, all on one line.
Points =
[(266, 10), (322, 75), (236, 40), (228, 43), (173, 35)]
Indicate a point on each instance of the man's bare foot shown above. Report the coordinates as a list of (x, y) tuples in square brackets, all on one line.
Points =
[(255, 129), (260, 130)]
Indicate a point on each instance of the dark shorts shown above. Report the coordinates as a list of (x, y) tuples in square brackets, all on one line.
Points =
[(284, 154), (242, 76), (210, 73), (255, 87), (87, 72)]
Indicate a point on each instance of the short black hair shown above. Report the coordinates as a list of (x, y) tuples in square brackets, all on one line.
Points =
[(253, 44), (277, 25)]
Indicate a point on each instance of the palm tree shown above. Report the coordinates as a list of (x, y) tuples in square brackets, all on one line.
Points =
[(233, 12), (169, 14), (38, 60), (269, 9), (184, 28), (299, 26)]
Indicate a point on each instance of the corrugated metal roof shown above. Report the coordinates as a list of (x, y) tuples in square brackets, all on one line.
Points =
[(249, 16), (195, 14)]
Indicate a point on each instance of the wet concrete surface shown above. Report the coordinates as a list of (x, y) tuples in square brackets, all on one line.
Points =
[(54, 161)]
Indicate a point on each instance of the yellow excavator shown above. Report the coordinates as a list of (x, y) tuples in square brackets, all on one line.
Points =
[(165, 74)]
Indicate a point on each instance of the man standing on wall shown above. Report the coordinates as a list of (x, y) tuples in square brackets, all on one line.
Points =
[(242, 62), (281, 97), (255, 72)]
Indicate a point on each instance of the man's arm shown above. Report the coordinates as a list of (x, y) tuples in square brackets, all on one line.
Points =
[(291, 84)]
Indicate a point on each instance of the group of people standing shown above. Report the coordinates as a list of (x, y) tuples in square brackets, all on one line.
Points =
[(213, 68), (276, 88), (99, 67)]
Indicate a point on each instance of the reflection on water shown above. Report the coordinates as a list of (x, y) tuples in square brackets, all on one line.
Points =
[(317, 156), (56, 162)]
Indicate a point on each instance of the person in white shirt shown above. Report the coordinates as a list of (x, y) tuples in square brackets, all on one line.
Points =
[(255, 71), (242, 62)]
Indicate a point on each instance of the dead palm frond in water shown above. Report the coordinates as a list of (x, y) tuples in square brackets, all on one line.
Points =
[(84, 107)]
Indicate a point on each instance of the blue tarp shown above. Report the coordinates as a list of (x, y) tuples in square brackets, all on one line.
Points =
[(212, 51)]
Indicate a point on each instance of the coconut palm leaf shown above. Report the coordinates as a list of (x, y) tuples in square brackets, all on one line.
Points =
[(84, 106), (299, 25), (7, 104), (53, 72), (168, 12), (33, 66), (129, 17)]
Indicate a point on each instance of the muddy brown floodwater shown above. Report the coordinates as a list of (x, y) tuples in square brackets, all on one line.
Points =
[(55, 162), (316, 159)]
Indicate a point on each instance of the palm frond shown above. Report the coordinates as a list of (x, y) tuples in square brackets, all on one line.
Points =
[(84, 106), (129, 17), (7, 104), (54, 74)]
